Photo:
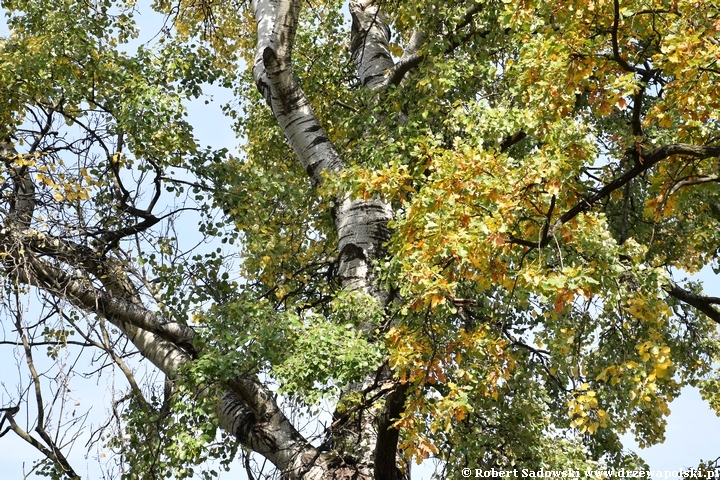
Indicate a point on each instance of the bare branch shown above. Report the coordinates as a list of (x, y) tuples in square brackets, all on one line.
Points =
[(53, 454), (51, 451), (690, 181)]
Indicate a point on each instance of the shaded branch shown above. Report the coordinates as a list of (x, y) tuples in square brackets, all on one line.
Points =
[(687, 182), (512, 140), (636, 121), (386, 449), (548, 218), (23, 201), (110, 239), (648, 161), (412, 57), (616, 49), (700, 302)]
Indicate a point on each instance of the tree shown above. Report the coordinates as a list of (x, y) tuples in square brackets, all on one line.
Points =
[(459, 223)]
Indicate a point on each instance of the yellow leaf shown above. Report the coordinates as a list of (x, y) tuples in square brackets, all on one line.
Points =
[(436, 300)]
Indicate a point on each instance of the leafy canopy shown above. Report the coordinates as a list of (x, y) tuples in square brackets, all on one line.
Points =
[(552, 167), (536, 235)]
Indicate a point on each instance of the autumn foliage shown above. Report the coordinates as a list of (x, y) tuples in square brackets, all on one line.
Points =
[(544, 175)]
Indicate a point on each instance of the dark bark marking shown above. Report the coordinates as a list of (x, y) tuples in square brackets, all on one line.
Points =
[(311, 168), (300, 121), (352, 252), (318, 140), (313, 128)]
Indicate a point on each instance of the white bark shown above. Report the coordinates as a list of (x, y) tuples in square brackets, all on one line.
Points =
[(276, 26), (362, 230), (370, 43), (361, 224), (245, 408)]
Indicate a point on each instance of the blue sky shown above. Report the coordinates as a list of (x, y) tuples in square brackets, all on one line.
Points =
[(693, 430)]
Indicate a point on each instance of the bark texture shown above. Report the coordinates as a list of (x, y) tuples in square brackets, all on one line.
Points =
[(368, 443)]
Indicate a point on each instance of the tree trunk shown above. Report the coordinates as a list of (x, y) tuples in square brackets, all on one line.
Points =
[(366, 439)]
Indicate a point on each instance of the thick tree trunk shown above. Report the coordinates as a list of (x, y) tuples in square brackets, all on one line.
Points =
[(246, 408), (365, 440)]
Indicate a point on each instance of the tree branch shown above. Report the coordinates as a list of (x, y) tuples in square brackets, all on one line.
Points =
[(276, 24), (50, 449), (412, 57), (53, 454), (687, 182), (512, 140), (112, 307), (369, 43), (616, 49), (386, 450), (648, 161), (246, 409), (23, 203), (700, 302)]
